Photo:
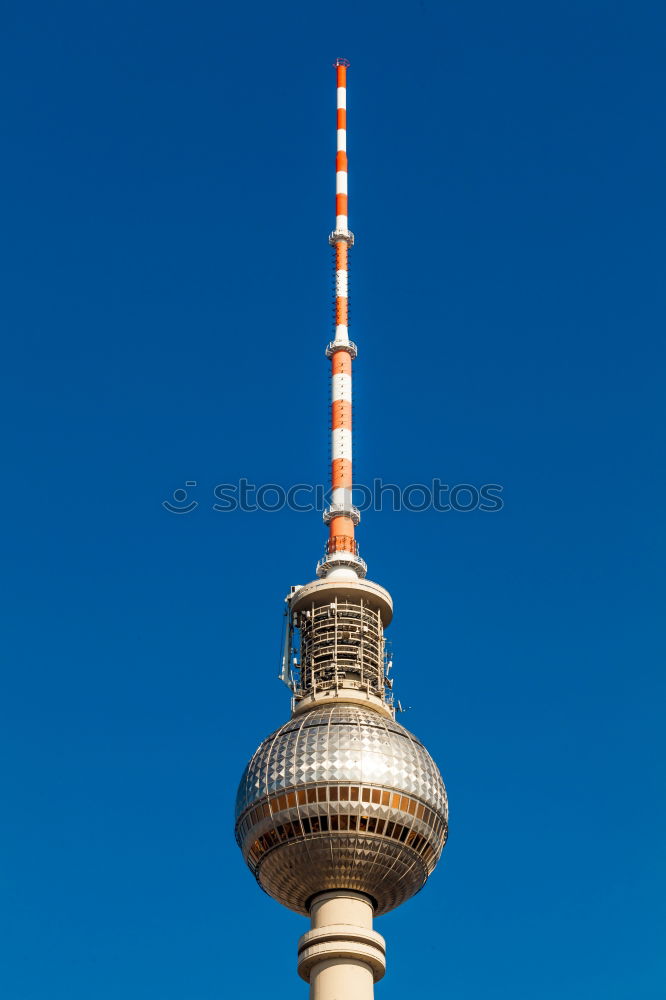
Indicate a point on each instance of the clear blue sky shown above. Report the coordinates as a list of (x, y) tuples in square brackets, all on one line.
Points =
[(168, 190)]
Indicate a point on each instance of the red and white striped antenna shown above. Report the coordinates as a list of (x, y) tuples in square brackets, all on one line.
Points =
[(341, 558)]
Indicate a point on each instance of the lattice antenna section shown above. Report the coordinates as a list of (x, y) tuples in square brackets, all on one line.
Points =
[(341, 646)]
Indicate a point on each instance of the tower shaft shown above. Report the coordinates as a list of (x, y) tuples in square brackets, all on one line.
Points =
[(341, 813), (341, 956)]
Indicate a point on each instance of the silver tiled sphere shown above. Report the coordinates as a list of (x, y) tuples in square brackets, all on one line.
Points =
[(341, 797)]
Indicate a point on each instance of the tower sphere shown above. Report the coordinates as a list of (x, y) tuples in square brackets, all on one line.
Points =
[(341, 797)]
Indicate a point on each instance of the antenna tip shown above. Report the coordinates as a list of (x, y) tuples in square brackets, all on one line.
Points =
[(341, 62)]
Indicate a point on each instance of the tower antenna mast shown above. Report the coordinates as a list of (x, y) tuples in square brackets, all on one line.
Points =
[(341, 516)]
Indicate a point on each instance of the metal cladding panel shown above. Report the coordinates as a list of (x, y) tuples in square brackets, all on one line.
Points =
[(387, 872), (342, 743)]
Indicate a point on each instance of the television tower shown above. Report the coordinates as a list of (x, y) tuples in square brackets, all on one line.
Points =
[(341, 813)]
